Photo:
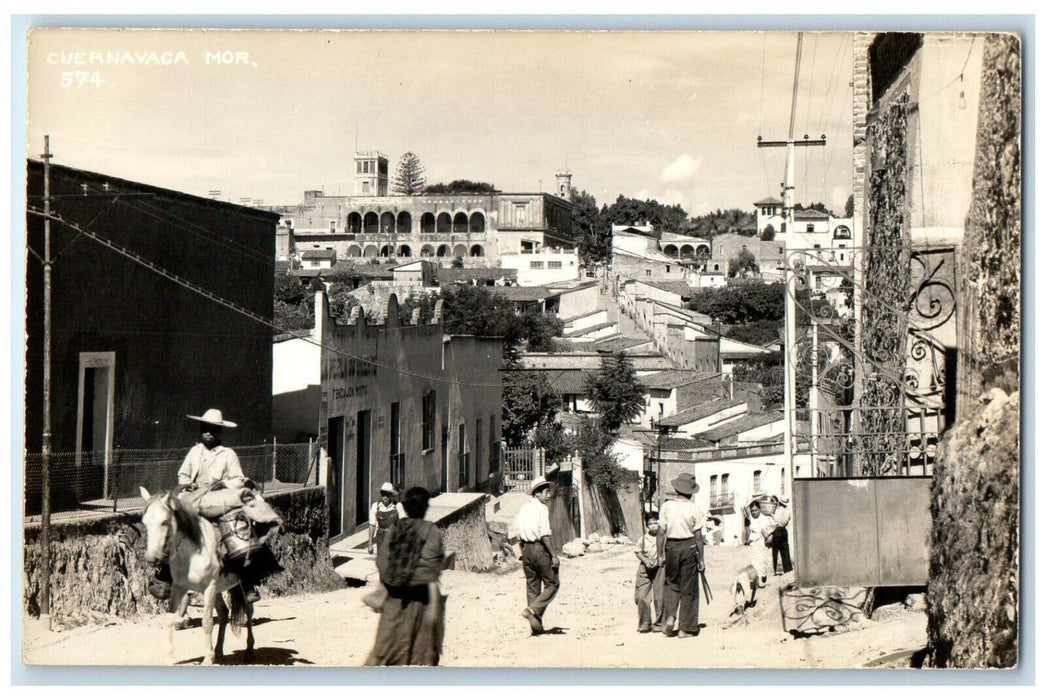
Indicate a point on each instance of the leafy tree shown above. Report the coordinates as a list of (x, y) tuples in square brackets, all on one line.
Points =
[(550, 436), (743, 265), (292, 304), (461, 187), (591, 233), (768, 233), (742, 303), (662, 217), (602, 469), (848, 211), (410, 175), (815, 206), (615, 393), (768, 372), (528, 407), (722, 221)]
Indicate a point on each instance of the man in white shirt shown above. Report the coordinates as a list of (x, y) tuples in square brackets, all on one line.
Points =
[(540, 563), (209, 461), (383, 515)]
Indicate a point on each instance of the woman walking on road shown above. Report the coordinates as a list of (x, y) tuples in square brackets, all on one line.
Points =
[(410, 632), (681, 523)]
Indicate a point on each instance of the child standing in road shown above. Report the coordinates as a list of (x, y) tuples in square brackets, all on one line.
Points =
[(648, 577)]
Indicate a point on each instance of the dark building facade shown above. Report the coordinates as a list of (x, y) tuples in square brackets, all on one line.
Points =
[(404, 403), (132, 351)]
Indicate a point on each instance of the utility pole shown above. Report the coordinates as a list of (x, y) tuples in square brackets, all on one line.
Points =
[(45, 462), (790, 310)]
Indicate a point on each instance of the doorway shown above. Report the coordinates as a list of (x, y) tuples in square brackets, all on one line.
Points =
[(335, 473), (94, 424), (362, 466)]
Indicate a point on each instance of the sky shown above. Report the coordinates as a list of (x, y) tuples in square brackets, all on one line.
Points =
[(268, 114)]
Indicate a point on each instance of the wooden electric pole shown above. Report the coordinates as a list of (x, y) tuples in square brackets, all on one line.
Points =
[(45, 462), (789, 215)]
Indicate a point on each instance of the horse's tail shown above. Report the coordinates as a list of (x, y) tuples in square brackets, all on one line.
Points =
[(239, 608)]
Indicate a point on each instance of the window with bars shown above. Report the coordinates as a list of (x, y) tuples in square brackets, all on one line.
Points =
[(757, 481)]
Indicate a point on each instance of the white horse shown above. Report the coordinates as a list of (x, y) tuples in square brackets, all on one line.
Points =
[(189, 542)]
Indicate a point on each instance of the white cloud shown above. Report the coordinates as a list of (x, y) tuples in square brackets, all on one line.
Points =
[(681, 169)]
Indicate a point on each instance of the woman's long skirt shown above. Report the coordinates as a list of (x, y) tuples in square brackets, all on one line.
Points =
[(405, 637)]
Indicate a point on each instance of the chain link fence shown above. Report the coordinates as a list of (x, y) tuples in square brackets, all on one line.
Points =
[(95, 479)]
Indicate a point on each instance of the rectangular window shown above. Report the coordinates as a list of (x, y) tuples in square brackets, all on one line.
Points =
[(757, 481), (495, 447), (397, 467), (713, 489), (809, 228), (366, 188), (428, 420), (333, 226), (521, 214), (479, 445), (536, 264), (724, 484), (648, 273), (555, 264), (782, 481), (463, 457)]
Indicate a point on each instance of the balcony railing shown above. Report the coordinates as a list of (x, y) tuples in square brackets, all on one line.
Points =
[(721, 501)]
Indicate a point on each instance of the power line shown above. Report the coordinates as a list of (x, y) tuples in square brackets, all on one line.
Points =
[(136, 258)]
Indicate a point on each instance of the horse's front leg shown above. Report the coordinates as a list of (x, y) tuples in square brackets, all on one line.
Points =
[(223, 621), (209, 595), (175, 607)]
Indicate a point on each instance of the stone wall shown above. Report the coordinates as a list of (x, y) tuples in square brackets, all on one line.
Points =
[(972, 599), (98, 570)]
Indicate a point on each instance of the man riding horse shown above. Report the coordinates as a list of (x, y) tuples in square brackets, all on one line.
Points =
[(211, 466)]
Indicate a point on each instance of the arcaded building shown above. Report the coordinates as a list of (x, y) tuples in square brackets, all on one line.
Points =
[(478, 228)]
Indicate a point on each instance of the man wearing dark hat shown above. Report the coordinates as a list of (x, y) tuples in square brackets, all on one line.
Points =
[(681, 523), (209, 461), (540, 563)]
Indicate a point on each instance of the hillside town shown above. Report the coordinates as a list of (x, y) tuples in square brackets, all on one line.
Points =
[(800, 422)]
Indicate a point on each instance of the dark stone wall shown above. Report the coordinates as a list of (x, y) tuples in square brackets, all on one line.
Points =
[(972, 600)]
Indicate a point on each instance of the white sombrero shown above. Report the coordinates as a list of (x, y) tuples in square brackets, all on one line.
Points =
[(213, 417)]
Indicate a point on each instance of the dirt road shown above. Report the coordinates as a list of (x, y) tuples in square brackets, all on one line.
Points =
[(593, 623)]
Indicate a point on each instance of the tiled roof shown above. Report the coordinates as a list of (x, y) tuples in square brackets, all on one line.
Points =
[(671, 286), (674, 378), (746, 421), (619, 344), (318, 255), (455, 274), (569, 381), (524, 293), (768, 200), (810, 214), (702, 410)]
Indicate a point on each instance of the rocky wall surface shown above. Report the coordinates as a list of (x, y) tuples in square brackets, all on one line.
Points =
[(975, 503), (98, 570)]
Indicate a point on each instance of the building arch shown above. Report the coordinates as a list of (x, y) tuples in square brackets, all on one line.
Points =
[(703, 252), (370, 222), (428, 222), (443, 223), (403, 251), (686, 251), (460, 251), (387, 251), (354, 224), (841, 232), (476, 251), (371, 251), (427, 251), (671, 251), (443, 251), (404, 222), (388, 222), (461, 222), (477, 222), (354, 251)]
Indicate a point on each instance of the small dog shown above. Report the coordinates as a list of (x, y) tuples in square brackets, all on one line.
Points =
[(743, 589)]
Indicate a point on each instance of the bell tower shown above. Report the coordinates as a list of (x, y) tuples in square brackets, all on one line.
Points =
[(563, 184)]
